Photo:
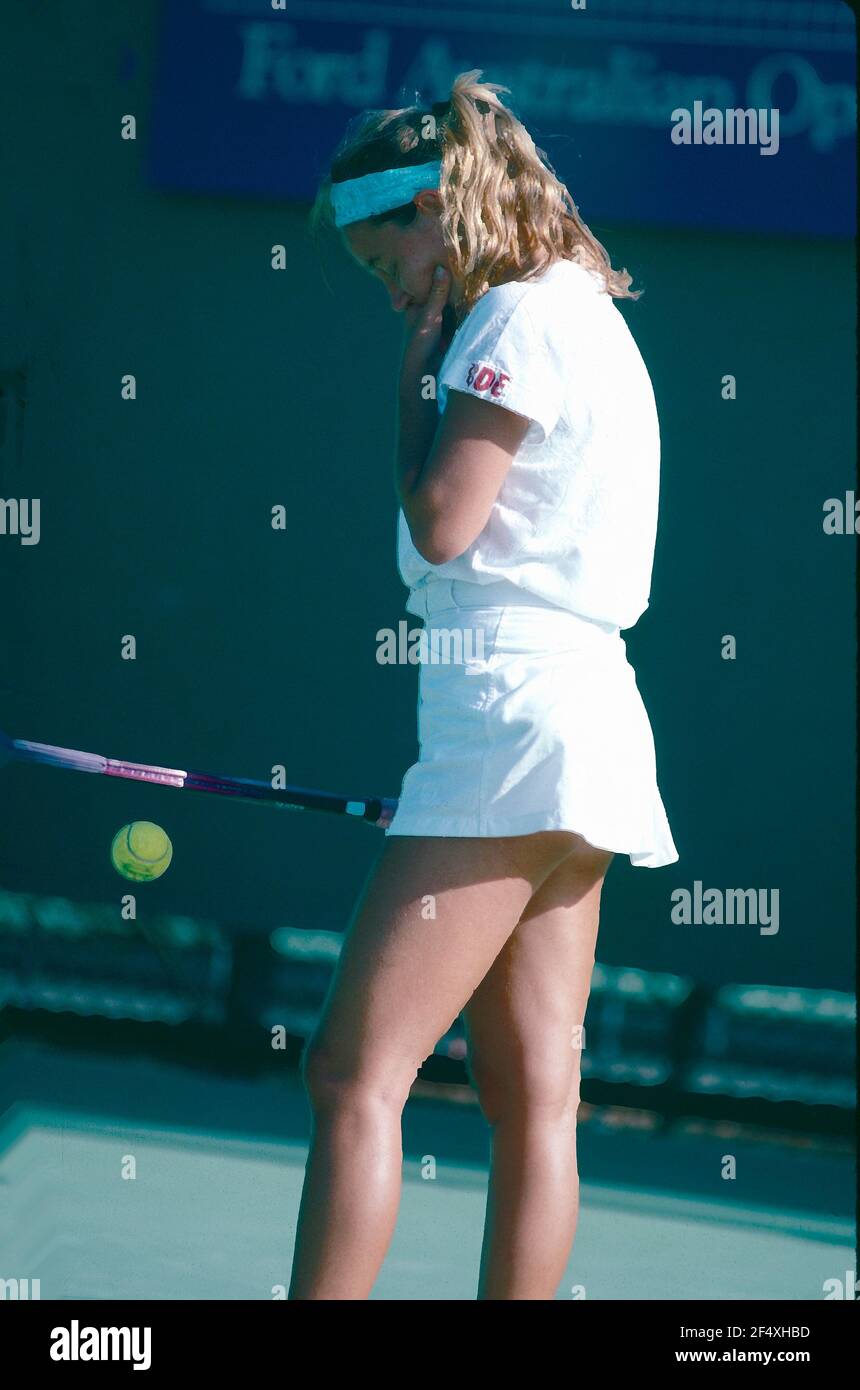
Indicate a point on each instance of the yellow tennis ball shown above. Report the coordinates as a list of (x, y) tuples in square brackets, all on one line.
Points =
[(141, 851)]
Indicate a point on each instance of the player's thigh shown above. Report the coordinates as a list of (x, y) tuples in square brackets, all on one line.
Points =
[(430, 922), (524, 1022)]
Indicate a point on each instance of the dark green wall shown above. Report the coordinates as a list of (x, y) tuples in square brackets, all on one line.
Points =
[(257, 647)]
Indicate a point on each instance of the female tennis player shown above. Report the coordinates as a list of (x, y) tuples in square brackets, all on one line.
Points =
[(528, 494)]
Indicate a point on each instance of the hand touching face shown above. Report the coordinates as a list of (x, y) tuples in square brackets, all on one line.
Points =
[(402, 258)]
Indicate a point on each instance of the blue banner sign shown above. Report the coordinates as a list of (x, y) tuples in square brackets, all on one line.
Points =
[(721, 114)]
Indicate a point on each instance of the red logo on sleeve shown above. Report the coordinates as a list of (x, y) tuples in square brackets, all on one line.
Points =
[(487, 379)]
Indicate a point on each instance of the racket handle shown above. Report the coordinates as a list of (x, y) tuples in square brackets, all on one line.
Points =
[(389, 806)]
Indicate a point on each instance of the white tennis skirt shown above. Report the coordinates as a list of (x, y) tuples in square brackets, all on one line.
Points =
[(529, 718)]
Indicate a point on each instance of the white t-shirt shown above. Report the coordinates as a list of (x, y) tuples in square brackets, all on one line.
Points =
[(576, 518)]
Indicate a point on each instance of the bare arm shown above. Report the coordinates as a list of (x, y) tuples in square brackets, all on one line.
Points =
[(448, 472)]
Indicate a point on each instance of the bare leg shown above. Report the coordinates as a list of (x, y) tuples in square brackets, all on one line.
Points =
[(434, 916), (523, 1024)]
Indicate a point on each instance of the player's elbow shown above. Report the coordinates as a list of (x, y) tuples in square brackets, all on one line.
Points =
[(446, 517), (440, 543)]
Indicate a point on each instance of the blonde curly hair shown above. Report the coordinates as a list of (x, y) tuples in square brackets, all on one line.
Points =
[(504, 216)]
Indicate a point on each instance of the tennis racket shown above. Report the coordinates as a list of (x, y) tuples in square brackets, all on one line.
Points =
[(377, 810)]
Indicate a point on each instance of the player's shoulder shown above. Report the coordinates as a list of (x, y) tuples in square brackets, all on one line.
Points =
[(498, 302), (545, 295), (543, 309), (565, 281)]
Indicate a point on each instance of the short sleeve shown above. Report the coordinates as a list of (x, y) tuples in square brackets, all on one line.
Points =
[(507, 358)]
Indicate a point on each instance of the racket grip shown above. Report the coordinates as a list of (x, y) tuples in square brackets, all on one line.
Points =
[(389, 806)]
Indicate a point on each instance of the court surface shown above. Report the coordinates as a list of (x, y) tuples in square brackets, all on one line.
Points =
[(211, 1212)]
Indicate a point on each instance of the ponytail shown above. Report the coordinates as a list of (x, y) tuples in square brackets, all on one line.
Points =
[(504, 214)]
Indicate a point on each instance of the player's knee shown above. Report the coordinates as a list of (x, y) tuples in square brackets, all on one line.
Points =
[(333, 1081), (324, 1075), (539, 1091)]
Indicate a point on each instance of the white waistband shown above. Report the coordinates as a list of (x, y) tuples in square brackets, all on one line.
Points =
[(440, 595)]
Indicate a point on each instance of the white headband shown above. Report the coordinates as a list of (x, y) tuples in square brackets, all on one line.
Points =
[(355, 199)]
